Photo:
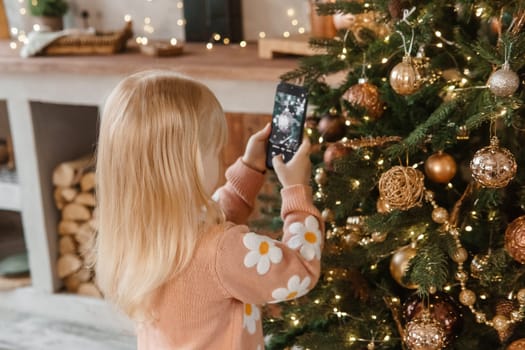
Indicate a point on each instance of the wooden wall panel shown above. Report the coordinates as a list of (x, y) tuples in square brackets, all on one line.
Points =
[(240, 128)]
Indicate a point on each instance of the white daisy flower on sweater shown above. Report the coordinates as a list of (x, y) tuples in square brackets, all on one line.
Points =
[(251, 316), (295, 289), (307, 236), (263, 252)]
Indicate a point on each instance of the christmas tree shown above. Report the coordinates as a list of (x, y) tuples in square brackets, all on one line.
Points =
[(419, 173)]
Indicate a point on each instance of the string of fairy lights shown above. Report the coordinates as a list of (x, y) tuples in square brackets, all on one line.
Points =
[(294, 26)]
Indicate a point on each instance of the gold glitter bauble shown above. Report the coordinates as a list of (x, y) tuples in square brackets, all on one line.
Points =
[(425, 333), (515, 239), (467, 297), (439, 215), (365, 95), (493, 166), (504, 311), (402, 187), (332, 127), (504, 81), (517, 345), (440, 167), (404, 77), (399, 265)]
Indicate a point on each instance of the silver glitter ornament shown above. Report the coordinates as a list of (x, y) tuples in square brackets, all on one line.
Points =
[(425, 333), (504, 81), (493, 166)]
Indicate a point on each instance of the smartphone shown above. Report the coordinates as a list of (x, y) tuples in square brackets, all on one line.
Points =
[(289, 115)]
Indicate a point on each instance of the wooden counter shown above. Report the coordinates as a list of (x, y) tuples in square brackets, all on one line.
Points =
[(221, 62)]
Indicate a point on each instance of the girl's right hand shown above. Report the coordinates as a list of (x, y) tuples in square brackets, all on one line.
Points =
[(298, 170)]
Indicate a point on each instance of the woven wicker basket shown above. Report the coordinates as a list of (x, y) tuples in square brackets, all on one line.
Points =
[(91, 44)]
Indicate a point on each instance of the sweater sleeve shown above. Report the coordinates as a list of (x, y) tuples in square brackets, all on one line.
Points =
[(256, 269), (237, 197)]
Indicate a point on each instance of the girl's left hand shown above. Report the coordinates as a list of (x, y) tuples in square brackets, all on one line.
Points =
[(255, 153)]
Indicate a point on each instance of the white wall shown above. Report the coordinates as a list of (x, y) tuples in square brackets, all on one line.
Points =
[(269, 16)]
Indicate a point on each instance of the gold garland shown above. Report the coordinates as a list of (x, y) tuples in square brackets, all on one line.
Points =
[(467, 297)]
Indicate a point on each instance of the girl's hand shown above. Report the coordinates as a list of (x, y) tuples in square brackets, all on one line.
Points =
[(255, 153), (297, 170)]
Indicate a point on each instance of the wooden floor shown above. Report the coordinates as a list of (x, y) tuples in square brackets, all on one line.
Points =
[(19, 331)]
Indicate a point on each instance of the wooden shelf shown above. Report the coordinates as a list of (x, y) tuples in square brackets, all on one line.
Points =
[(270, 48), (9, 191)]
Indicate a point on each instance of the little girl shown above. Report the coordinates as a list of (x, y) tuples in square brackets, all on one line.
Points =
[(180, 264)]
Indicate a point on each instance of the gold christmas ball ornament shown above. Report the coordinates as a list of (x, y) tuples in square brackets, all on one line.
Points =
[(517, 345), (402, 187), (440, 306), (328, 215), (493, 166), (425, 333), (332, 127), (404, 77), (382, 206), (357, 23), (399, 265), (515, 239), (504, 82), (440, 167), (439, 215), (333, 152), (366, 96)]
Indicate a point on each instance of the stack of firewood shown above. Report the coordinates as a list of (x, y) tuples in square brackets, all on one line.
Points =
[(74, 183)]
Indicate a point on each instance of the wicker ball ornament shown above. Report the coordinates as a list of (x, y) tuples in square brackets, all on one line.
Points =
[(440, 167), (404, 77), (402, 187), (493, 166), (365, 95), (504, 82), (515, 239), (425, 333)]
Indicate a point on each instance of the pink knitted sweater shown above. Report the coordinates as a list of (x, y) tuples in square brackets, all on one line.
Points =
[(212, 304)]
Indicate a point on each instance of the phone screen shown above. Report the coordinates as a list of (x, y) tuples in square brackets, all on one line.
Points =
[(289, 113)]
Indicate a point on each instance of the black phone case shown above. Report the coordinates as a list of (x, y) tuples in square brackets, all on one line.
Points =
[(289, 115)]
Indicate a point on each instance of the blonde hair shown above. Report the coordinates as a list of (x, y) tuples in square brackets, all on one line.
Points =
[(155, 129)]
